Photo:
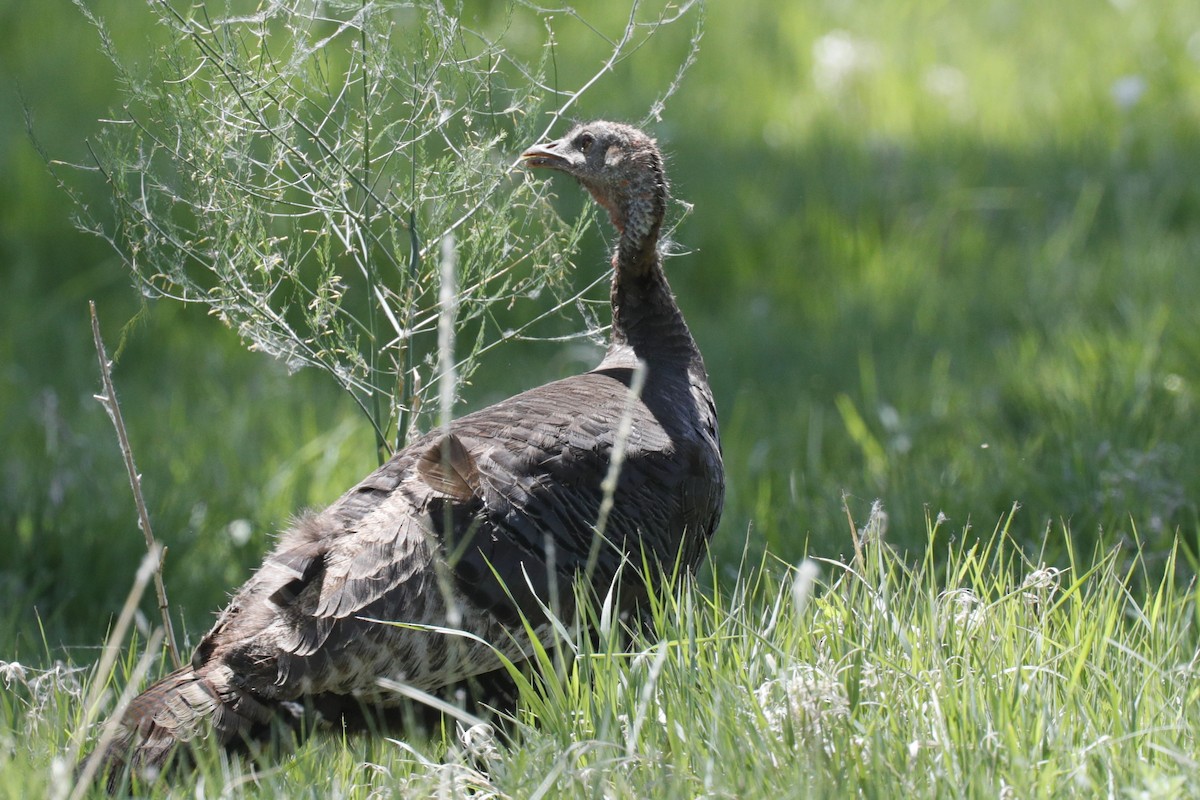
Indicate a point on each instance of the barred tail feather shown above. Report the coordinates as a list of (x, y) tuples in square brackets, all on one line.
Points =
[(183, 706)]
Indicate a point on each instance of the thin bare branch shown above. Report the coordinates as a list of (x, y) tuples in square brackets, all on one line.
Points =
[(109, 400)]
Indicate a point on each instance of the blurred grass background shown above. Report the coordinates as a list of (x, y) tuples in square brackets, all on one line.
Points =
[(945, 255)]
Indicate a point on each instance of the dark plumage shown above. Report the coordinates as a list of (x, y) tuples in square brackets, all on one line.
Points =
[(512, 491)]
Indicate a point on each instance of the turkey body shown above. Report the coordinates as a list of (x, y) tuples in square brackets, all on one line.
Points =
[(308, 622), (480, 525)]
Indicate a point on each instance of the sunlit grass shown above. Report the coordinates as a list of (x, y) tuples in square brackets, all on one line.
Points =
[(966, 671), (951, 311), (957, 274), (961, 259)]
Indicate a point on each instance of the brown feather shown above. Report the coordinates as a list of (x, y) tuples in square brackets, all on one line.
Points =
[(448, 468)]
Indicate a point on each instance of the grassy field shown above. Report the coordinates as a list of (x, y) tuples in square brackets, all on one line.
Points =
[(943, 255), (979, 676)]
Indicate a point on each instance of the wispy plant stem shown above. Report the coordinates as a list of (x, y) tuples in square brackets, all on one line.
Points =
[(109, 400), (369, 272)]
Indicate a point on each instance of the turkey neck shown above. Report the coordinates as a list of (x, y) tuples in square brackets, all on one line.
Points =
[(646, 323)]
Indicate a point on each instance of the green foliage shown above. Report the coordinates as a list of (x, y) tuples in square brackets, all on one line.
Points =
[(973, 674), (946, 263), (296, 170), (941, 254)]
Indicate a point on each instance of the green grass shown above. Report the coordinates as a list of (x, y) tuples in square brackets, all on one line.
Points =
[(973, 673), (958, 277)]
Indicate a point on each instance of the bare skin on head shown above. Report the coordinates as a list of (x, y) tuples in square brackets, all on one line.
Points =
[(478, 526)]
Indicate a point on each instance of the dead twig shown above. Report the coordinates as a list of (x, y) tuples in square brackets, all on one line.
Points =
[(109, 400)]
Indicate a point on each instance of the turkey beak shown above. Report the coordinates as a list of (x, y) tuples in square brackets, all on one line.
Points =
[(545, 155)]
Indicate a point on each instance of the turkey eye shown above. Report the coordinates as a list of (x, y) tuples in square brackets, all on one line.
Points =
[(585, 142)]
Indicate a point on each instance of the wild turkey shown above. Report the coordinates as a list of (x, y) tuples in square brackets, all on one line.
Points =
[(473, 527)]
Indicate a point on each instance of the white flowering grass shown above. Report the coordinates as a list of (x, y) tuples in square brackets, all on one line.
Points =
[(965, 671)]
